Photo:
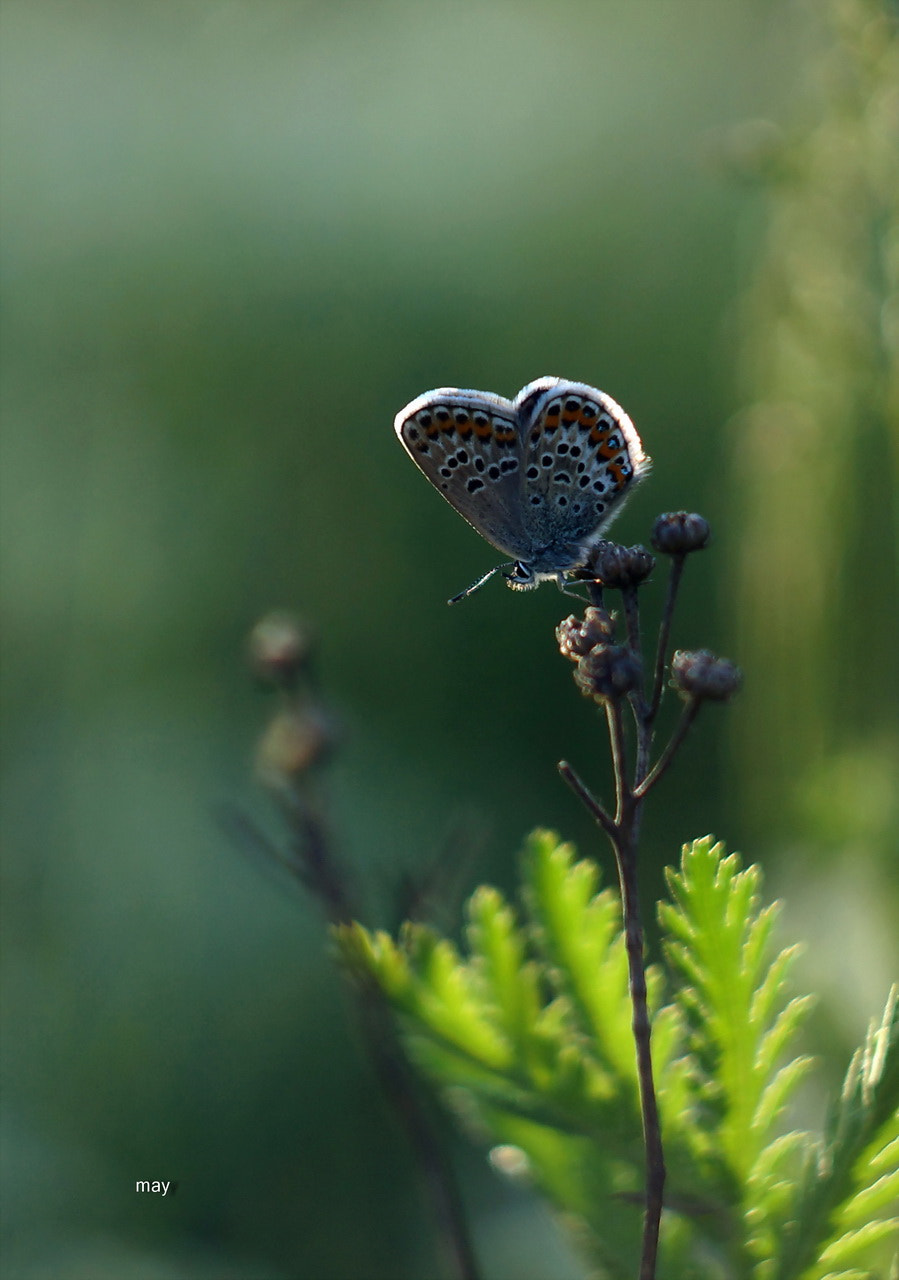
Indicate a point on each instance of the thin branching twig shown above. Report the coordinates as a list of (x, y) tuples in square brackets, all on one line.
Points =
[(612, 674)]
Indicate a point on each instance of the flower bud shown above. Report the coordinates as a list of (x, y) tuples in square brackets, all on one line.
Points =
[(293, 743), (578, 636), (698, 673), (616, 566), (677, 532), (279, 646), (607, 672)]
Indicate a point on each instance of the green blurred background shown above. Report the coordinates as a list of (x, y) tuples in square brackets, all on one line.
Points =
[(236, 239)]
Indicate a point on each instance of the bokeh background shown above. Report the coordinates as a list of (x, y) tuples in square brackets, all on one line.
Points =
[(236, 239)]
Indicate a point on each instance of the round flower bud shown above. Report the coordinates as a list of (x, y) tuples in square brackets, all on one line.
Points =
[(578, 636), (698, 673), (292, 743), (279, 646), (616, 566), (607, 672), (677, 532)]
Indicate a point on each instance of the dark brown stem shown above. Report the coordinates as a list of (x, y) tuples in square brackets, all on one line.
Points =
[(323, 875), (596, 594), (313, 861), (404, 1093), (626, 861), (632, 620), (674, 577), (587, 798), (637, 699), (622, 832), (688, 715), (619, 764)]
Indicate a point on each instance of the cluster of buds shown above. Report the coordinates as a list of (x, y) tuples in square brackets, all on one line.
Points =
[(605, 670), (608, 670), (300, 733)]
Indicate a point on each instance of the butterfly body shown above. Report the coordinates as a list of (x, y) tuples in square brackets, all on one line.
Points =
[(540, 477)]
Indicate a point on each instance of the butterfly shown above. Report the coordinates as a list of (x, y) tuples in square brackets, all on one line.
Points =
[(540, 477)]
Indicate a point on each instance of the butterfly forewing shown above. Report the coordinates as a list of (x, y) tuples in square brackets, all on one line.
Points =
[(468, 445)]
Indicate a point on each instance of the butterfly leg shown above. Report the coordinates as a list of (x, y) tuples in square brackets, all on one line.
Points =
[(567, 591)]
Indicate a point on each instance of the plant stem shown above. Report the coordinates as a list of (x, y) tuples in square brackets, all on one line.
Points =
[(688, 715), (587, 799), (403, 1090), (312, 860), (674, 577), (622, 834), (324, 877), (619, 765), (626, 862)]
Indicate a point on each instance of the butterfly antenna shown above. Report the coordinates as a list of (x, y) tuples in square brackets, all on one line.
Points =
[(475, 586)]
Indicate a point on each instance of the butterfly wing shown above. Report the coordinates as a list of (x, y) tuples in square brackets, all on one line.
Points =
[(468, 444), (581, 457)]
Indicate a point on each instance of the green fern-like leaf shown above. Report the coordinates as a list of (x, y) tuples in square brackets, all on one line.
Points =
[(847, 1201), (526, 1027), (742, 1023)]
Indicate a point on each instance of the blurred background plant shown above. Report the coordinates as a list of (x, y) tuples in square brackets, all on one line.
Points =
[(235, 239)]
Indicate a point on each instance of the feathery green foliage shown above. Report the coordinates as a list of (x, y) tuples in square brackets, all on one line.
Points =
[(526, 1029)]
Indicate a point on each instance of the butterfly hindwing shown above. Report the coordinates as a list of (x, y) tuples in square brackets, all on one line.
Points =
[(580, 456)]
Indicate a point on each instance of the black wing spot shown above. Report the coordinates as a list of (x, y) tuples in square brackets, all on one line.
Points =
[(474, 484)]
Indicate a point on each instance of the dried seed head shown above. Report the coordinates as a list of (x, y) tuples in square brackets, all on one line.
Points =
[(698, 673), (677, 532), (616, 566), (279, 646), (578, 636), (291, 745), (607, 672)]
